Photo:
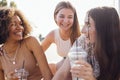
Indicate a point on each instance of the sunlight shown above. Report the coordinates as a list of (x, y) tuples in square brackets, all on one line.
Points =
[(40, 15)]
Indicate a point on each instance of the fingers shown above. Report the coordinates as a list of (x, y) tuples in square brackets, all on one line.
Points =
[(11, 76), (82, 62), (84, 70)]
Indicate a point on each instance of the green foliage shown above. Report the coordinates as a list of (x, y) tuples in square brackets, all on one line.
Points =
[(12, 4), (5, 3)]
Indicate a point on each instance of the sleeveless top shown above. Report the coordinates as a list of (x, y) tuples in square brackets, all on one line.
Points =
[(30, 63), (63, 46), (83, 42)]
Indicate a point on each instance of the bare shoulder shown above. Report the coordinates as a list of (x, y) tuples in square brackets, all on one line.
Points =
[(50, 36), (30, 38), (31, 41)]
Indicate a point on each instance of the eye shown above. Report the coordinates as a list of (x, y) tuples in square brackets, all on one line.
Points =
[(87, 23), (61, 16), (70, 17), (89, 26), (12, 24), (21, 23)]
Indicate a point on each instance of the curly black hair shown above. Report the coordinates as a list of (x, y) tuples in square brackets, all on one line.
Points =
[(6, 15)]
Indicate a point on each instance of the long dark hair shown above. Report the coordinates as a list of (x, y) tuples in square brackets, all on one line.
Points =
[(107, 45), (75, 30)]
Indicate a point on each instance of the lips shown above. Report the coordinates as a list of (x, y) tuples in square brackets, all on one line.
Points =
[(18, 33), (65, 25)]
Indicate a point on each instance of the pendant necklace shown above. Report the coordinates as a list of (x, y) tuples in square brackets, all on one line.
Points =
[(12, 59)]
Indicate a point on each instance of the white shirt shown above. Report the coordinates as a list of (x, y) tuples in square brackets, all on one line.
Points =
[(63, 46)]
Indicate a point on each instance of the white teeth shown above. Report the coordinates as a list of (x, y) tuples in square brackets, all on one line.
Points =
[(19, 33), (65, 25)]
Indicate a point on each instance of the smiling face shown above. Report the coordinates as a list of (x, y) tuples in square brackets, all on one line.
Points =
[(65, 18), (16, 29)]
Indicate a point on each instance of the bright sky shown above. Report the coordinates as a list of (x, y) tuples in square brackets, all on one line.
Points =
[(40, 13)]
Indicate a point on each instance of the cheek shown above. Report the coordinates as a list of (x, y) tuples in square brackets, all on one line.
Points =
[(92, 36), (58, 21), (72, 21), (22, 28), (11, 28)]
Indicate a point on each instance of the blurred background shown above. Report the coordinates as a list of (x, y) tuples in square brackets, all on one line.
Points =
[(40, 15)]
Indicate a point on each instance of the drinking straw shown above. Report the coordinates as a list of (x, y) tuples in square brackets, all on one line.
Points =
[(23, 64), (22, 68)]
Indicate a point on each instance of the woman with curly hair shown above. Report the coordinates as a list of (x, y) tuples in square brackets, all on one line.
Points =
[(19, 47)]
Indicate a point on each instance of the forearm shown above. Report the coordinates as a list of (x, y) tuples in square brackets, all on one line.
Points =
[(47, 76), (63, 72), (59, 76)]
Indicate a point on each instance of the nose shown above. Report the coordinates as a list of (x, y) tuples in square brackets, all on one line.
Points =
[(66, 20)]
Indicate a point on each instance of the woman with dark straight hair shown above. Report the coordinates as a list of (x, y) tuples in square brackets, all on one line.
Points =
[(101, 40), (107, 42)]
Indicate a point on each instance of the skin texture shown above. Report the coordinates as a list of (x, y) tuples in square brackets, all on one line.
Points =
[(86, 71), (102, 31), (16, 30), (66, 19)]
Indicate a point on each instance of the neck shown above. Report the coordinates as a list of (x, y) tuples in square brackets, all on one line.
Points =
[(11, 47)]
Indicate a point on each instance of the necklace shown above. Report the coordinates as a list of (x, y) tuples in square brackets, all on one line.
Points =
[(12, 59)]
